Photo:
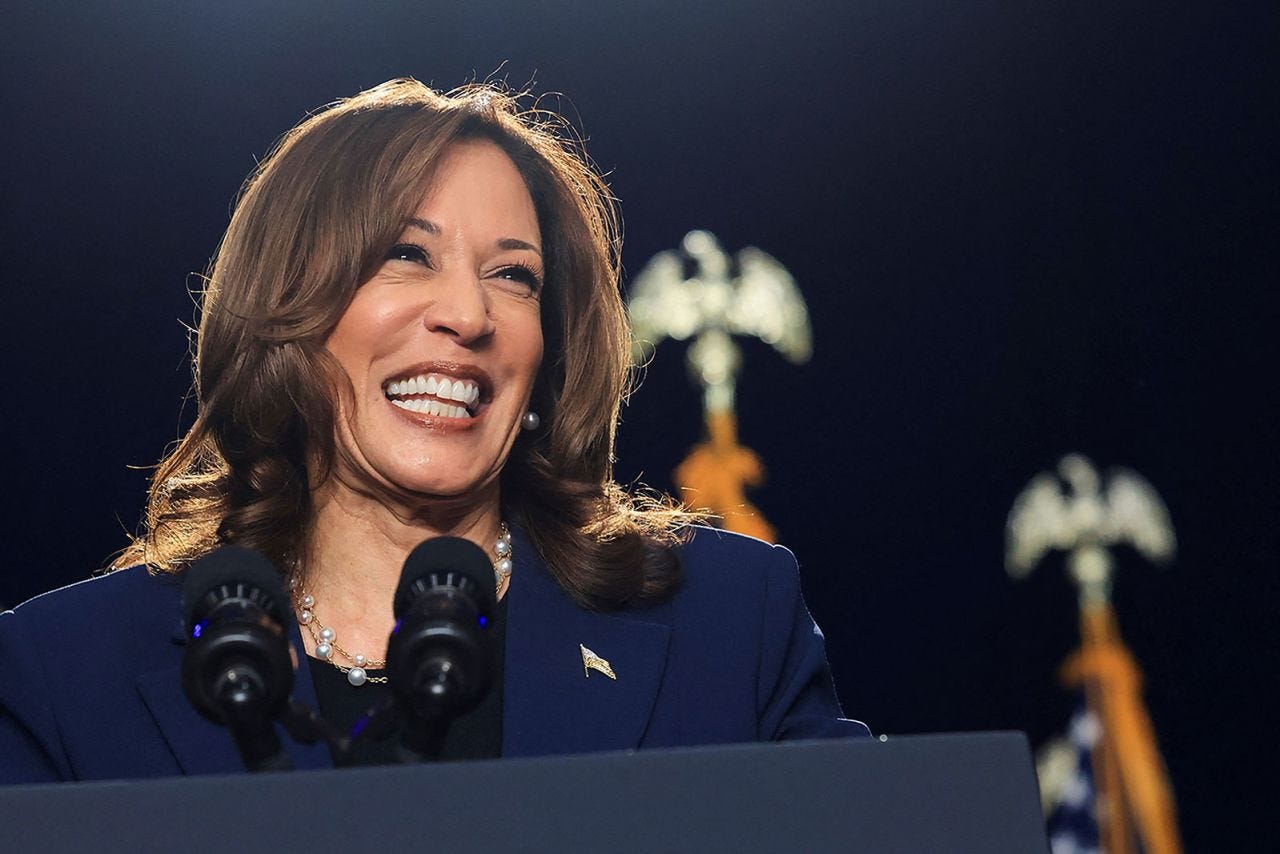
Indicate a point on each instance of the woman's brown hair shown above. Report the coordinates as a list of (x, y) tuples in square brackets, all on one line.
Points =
[(312, 223)]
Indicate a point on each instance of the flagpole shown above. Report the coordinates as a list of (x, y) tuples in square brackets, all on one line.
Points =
[(1133, 779), (716, 473), (700, 292), (1135, 806)]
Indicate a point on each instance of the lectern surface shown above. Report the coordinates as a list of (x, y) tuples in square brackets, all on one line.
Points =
[(954, 793)]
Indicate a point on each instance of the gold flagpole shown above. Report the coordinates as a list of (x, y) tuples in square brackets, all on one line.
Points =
[(715, 474), (700, 292), (1135, 802), (1132, 779)]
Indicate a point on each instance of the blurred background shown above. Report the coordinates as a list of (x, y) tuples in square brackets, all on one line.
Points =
[(1022, 229)]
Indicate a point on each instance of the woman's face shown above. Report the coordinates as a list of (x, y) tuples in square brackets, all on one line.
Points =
[(443, 343)]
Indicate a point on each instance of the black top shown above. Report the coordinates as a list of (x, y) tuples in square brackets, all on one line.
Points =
[(475, 735)]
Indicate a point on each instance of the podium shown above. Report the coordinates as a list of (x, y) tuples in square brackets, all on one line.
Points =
[(944, 793)]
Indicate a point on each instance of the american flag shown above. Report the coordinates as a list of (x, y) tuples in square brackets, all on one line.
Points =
[(1069, 795)]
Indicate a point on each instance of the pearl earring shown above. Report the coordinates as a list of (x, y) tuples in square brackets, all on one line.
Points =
[(530, 421)]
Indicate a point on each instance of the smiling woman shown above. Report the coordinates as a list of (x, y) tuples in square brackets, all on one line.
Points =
[(457, 304), (396, 235), (413, 328)]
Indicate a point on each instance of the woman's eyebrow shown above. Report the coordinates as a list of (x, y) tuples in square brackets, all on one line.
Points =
[(503, 243), (516, 243), (425, 224)]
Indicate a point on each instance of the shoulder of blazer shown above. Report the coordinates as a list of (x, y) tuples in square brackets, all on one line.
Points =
[(727, 573), (123, 612)]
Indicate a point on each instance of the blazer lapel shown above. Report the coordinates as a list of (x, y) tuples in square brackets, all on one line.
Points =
[(551, 702), (203, 747)]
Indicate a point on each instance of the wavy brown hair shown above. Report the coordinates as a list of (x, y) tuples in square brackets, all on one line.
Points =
[(313, 222)]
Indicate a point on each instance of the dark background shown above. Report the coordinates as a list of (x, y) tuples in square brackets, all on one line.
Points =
[(1023, 229)]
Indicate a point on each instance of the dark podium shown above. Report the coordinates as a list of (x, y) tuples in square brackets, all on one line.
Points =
[(946, 793)]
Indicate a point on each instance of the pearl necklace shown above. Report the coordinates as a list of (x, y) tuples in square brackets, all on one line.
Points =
[(358, 666)]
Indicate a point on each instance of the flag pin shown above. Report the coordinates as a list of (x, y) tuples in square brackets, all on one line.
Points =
[(591, 661)]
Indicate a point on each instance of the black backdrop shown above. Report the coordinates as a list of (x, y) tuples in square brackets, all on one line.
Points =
[(1023, 228)]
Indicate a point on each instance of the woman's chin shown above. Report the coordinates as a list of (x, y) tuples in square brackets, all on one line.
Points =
[(463, 488)]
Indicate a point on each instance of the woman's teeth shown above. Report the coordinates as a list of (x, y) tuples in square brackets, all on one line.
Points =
[(432, 407), (443, 389), (465, 392)]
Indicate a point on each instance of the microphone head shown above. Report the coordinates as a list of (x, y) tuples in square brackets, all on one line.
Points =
[(233, 572), (446, 562), (237, 669)]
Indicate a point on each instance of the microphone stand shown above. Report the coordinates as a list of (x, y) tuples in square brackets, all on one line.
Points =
[(305, 726), (423, 739), (240, 697)]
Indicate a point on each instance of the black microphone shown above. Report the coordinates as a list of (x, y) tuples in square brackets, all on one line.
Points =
[(439, 655), (237, 670)]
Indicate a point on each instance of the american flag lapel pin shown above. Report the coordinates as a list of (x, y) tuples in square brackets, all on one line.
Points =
[(591, 661)]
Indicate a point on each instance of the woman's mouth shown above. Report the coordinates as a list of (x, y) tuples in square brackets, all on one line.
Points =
[(436, 394)]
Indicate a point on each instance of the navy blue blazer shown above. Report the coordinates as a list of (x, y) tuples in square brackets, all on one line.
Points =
[(89, 684)]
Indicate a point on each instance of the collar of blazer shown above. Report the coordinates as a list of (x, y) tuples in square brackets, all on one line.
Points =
[(550, 703)]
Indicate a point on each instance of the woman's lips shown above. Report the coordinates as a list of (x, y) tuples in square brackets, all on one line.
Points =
[(431, 406), (439, 421), (446, 396), (448, 383), (435, 385)]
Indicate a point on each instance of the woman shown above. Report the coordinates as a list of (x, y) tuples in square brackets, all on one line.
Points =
[(412, 328)]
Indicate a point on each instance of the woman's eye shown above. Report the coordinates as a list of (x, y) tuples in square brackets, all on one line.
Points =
[(409, 252), (522, 274)]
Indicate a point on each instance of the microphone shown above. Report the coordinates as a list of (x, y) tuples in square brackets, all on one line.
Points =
[(237, 670), (439, 655)]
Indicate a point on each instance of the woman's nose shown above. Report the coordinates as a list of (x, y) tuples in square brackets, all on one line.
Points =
[(460, 310)]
